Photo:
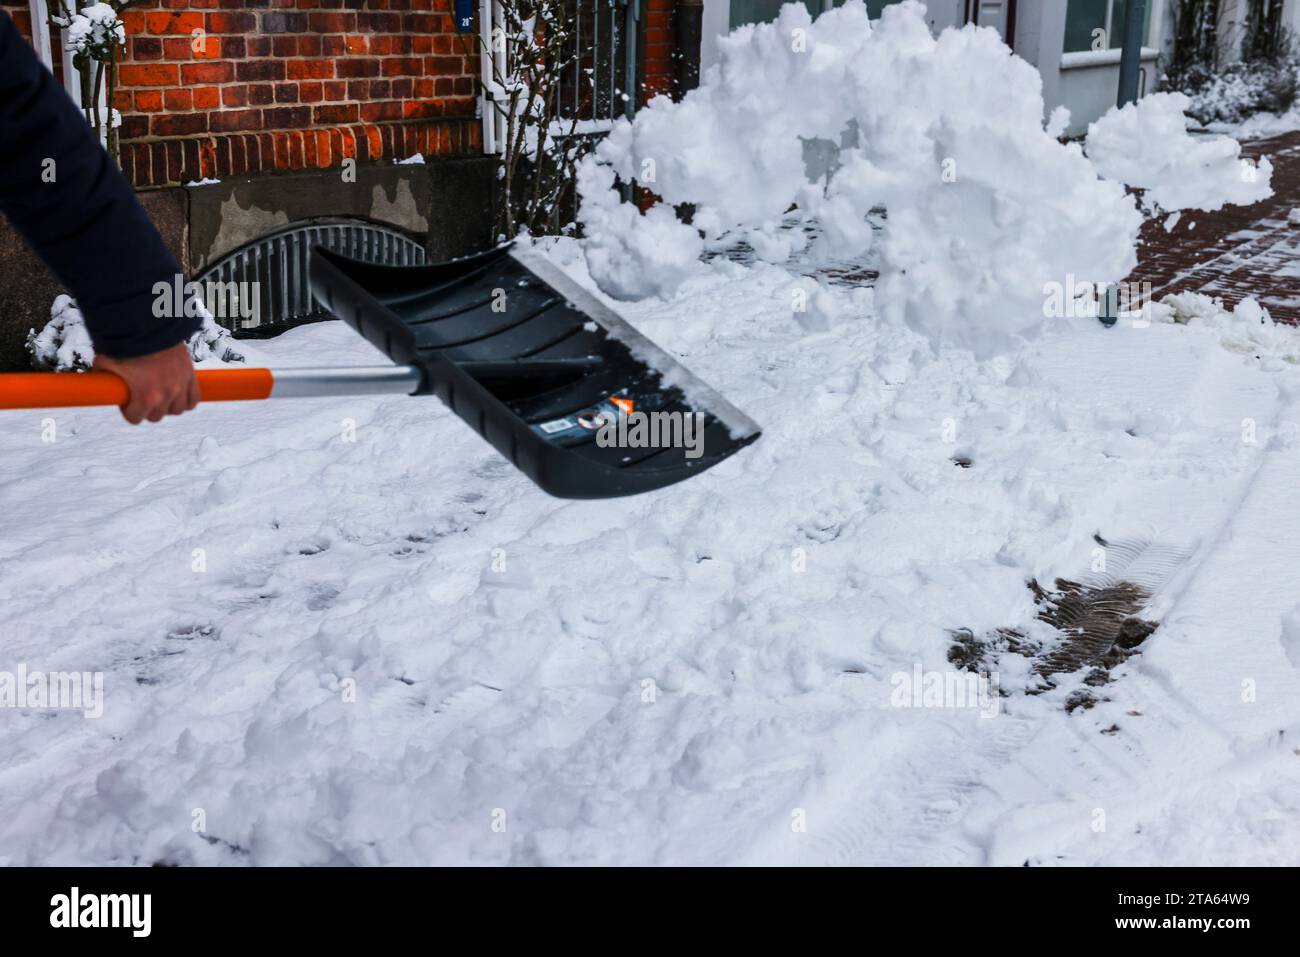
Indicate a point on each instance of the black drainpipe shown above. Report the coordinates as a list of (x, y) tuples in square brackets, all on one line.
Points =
[(1130, 64), (688, 33)]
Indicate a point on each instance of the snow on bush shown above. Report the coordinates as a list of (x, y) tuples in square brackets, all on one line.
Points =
[(64, 344), (985, 206), (1146, 144), (93, 32), (214, 342), (1243, 90)]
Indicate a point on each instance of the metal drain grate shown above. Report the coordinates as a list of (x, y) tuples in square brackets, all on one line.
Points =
[(263, 288)]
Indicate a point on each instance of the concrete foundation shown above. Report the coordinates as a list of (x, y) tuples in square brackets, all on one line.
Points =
[(447, 203)]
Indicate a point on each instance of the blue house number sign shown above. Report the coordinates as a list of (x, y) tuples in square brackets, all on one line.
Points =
[(464, 16)]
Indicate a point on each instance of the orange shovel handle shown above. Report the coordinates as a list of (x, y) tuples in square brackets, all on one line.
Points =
[(48, 390)]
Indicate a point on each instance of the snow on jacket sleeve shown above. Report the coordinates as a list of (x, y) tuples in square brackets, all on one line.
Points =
[(86, 225)]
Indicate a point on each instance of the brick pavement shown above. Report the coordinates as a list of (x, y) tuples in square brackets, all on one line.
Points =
[(1239, 251)]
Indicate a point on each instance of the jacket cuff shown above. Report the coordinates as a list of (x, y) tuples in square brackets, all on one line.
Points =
[(160, 334)]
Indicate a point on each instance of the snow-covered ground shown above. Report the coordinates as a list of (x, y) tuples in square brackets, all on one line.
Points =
[(395, 650), (346, 631)]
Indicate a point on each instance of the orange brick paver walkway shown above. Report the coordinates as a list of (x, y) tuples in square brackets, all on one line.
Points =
[(1240, 251)]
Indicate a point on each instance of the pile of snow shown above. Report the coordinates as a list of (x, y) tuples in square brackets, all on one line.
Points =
[(634, 255), (1146, 145), (985, 207), (1247, 328), (64, 345)]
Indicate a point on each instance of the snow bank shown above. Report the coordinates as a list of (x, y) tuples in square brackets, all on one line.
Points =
[(1146, 144), (984, 206), (64, 344)]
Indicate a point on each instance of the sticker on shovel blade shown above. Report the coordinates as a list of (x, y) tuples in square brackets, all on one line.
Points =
[(585, 422)]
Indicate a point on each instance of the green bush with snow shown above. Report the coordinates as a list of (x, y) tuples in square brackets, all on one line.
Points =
[(64, 345)]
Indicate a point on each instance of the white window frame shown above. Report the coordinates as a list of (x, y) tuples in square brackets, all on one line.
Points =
[(490, 14), (41, 40), (41, 37), (1082, 56)]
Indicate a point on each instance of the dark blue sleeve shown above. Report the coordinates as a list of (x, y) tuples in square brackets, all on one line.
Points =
[(87, 225)]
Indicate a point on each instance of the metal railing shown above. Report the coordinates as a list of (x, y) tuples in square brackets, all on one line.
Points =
[(602, 83), (271, 273)]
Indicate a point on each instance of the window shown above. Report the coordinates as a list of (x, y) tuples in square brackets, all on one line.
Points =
[(764, 11), (1084, 17)]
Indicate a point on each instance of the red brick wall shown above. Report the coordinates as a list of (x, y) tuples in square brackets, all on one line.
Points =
[(289, 84), (658, 45), (20, 15), (301, 84)]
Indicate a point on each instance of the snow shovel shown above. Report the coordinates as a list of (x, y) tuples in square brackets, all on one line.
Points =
[(539, 367)]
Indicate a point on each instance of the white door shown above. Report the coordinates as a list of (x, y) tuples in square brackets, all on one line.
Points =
[(992, 13)]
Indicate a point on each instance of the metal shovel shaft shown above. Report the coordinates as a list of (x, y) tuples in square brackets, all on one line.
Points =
[(362, 380)]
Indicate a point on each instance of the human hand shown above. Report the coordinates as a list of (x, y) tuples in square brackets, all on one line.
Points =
[(160, 384)]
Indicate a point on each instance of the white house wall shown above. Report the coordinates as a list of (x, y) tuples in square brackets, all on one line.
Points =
[(1085, 83), (717, 23), (717, 19)]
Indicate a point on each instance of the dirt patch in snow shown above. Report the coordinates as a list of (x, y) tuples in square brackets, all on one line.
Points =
[(1098, 628)]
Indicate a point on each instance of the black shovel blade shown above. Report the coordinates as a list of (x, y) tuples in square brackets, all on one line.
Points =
[(559, 384)]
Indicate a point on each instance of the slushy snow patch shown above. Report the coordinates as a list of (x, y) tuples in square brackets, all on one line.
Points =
[(1146, 145)]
